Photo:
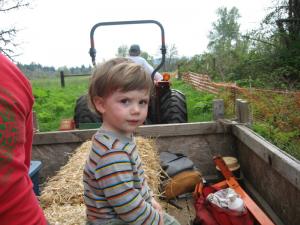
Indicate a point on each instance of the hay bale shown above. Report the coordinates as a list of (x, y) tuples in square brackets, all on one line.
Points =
[(150, 157), (66, 186), (66, 214), (62, 196)]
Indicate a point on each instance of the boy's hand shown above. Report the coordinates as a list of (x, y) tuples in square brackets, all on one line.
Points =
[(158, 207)]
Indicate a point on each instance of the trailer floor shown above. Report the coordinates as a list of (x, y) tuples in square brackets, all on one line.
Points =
[(186, 215)]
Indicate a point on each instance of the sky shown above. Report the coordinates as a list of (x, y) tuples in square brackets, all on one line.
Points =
[(57, 32)]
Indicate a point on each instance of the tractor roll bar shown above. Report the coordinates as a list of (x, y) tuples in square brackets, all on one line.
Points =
[(163, 46)]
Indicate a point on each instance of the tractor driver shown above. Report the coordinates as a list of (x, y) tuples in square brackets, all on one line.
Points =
[(134, 55)]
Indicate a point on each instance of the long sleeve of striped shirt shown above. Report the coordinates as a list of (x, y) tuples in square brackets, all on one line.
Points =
[(114, 181)]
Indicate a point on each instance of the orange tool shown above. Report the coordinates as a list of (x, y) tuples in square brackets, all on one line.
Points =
[(230, 181)]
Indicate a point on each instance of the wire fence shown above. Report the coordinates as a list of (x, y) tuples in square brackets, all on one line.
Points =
[(274, 114)]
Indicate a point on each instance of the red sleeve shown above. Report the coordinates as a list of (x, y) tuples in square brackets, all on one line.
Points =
[(18, 204)]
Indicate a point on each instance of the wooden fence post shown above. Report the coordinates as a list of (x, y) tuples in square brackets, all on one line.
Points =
[(35, 122), (62, 79), (179, 76), (218, 109), (242, 111), (234, 99)]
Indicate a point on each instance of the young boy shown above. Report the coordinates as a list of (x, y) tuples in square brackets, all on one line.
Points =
[(115, 189)]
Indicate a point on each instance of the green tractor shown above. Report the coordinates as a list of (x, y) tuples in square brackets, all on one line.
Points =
[(166, 105)]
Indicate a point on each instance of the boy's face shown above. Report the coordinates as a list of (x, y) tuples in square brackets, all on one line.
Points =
[(123, 112)]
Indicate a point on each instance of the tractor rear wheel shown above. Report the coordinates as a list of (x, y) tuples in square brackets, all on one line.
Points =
[(173, 107), (83, 114)]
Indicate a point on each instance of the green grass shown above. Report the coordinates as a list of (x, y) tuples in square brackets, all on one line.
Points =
[(53, 103), (287, 141), (199, 104)]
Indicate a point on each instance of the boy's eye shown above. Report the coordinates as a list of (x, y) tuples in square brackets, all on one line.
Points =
[(124, 101), (144, 102)]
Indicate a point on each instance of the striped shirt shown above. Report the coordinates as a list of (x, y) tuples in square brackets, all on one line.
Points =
[(114, 182)]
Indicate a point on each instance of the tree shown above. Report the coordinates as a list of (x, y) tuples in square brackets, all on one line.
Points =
[(148, 57), (122, 51), (171, 58), (226, 29), (276, 53), (287, 19), (7, 35), (286, 65), (226, 44)]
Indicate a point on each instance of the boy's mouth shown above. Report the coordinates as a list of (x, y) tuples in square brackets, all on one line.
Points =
[(132, 121)]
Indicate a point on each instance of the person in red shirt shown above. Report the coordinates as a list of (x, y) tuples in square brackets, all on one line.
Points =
[(18, 203)]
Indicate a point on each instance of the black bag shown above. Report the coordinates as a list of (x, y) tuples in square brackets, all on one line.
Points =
[(173, 164)]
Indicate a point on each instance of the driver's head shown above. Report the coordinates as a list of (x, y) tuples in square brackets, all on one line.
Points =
[(134, 50)]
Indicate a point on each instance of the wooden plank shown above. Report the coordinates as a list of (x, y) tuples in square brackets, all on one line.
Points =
[(202, 83), (276, 190), (182, 215), (218, 109), (258, 198), (159, 130), (53, 157), (283, 163), (182, 129), (242, 111), (61, 137), (191, 208), (199, 76)]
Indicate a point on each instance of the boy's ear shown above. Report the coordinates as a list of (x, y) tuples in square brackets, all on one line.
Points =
[(99, 104)]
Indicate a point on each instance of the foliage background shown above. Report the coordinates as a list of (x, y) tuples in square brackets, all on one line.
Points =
[(275, 115)]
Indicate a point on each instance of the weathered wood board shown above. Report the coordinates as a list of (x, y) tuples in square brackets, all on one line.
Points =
[(271, 172)]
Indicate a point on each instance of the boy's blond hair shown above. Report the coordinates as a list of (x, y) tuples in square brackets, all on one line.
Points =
[(117, 74)]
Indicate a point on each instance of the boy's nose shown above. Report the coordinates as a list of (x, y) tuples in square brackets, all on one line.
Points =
[(135, 108)]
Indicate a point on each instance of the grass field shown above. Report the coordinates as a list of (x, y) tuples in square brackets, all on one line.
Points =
[(53, 103), (199, 104)]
